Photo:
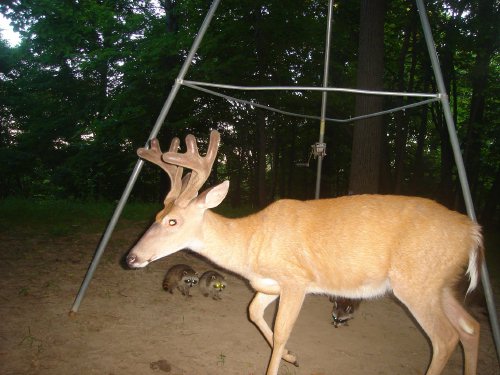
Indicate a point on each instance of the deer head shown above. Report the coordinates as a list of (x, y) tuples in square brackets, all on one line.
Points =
[(179, 224)]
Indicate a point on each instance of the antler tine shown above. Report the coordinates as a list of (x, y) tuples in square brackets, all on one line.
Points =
[(201, 166), (154, 155)]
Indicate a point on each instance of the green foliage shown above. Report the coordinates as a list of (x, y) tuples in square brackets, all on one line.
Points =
[(84, 88)]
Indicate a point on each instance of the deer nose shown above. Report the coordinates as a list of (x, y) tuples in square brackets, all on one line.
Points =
[(131, 259)]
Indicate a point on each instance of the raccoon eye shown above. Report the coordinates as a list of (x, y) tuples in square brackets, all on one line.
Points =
[(195, 281), (172, 222)]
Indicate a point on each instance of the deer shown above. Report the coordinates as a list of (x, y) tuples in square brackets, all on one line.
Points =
[(356, 246)]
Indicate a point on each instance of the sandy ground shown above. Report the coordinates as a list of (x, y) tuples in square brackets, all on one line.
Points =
[(128, 325)]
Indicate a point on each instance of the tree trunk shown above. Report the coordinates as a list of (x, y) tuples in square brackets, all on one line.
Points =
[(261, 159), (492, 202), (275, 165), (235, 163), (445, 193), (367, 137), (292, 170), (445, 189), (416, 186), (263, 61), (402, 120), (172, 24), (484, 49)]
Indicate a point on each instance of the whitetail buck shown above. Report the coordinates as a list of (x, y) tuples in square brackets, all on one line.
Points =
[(359, 246)]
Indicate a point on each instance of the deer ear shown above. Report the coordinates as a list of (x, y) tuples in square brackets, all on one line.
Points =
[(212, 197)]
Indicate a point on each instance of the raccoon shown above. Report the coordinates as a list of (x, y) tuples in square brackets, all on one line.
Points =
[(343, 310), (212, 284), (182, 277)]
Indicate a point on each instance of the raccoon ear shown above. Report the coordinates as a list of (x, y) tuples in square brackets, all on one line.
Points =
[(213, 277), (184, 273)]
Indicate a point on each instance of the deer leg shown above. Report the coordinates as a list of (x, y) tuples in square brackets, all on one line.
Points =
[(256, 313), (291, 300), (467, 328), (427, 308)]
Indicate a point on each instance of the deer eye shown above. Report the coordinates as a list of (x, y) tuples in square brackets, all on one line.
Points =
[(172, 222)]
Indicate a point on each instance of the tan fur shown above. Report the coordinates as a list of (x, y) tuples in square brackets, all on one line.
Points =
[(356, 246)]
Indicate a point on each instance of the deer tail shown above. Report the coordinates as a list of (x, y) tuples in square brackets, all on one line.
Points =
[(476, 257)]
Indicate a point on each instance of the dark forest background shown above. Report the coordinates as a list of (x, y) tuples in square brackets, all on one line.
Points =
[(82, 91)]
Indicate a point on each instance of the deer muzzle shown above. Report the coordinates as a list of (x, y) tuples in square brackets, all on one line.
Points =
[(134, 261)]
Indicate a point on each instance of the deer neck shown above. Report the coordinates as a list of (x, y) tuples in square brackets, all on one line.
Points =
[(226, 241)]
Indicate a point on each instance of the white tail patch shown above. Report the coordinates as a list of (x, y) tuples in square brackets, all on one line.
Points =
[(473, 269)]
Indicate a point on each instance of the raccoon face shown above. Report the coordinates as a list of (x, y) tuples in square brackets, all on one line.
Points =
[(342, 312), (219, 286), (190, 280)]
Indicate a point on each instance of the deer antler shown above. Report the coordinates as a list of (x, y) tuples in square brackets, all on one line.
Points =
[(200, 166), (154, 155)]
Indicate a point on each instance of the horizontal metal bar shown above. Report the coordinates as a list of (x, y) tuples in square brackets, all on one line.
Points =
[(272, 109), (309, 88)]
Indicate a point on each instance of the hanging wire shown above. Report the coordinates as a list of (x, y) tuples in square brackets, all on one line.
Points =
[(229, 98)]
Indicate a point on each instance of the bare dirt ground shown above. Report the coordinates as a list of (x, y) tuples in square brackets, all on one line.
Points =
[(128, 325)]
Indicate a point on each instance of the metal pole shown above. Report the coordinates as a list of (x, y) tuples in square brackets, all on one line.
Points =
[(309, 88), (460, 165), (137, 169), (324, 97)]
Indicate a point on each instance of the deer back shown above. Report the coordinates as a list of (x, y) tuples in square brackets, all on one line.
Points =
[(354, 246)]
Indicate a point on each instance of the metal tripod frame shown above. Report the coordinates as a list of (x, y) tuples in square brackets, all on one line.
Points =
[(440, 96)]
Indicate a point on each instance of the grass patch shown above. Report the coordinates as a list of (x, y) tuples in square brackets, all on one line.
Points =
[(57, 217), (31, 340), (64, 217)]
